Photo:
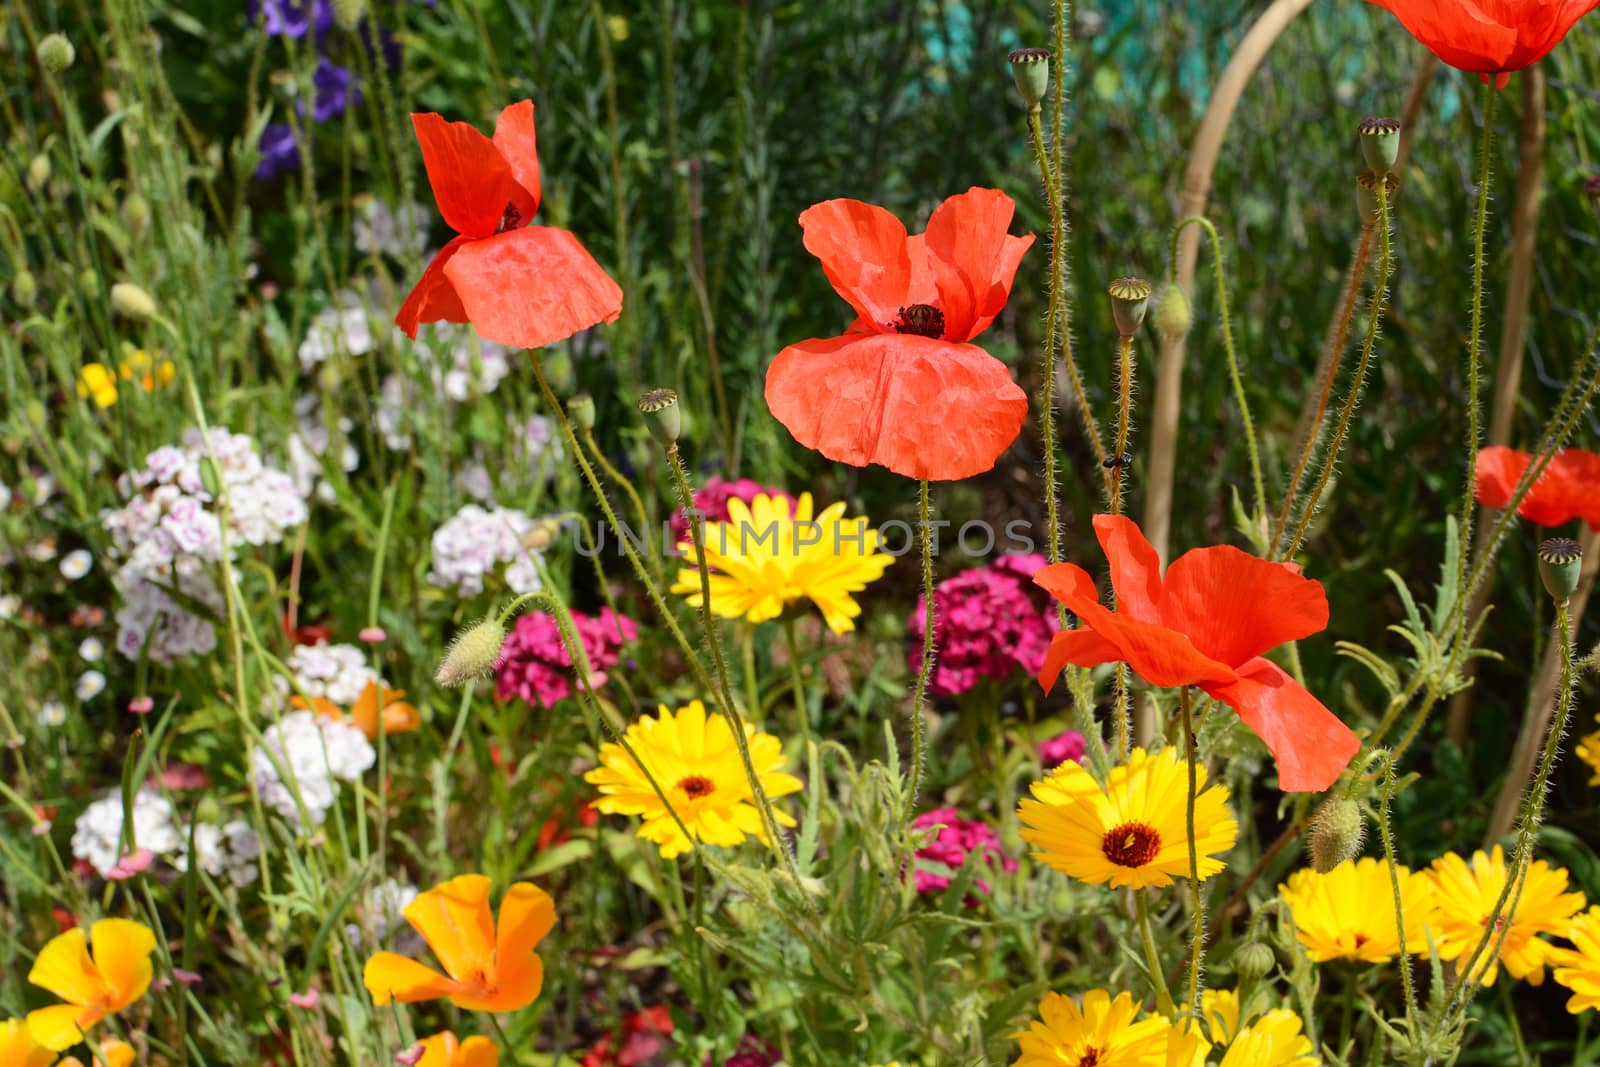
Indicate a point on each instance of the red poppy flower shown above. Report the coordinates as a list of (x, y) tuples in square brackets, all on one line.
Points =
[(1569, 487), (1489, 36), (1206, 624), (520, 285), (901, 388)]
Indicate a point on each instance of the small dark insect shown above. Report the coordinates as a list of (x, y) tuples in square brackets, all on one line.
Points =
[(1113, 462)]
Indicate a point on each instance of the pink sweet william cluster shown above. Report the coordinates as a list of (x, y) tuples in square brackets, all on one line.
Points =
[(1067, 745), (534, 663), (990, 622), (712, 501), (958, 838)]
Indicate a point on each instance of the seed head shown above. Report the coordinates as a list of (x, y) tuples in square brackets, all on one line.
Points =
[(1560, 564), (55, 53), (1380, 143), (662, 415), (1030, 69), (472, 654), (1130, 299)]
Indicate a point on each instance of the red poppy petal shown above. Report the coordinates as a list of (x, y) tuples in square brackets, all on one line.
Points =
[(531, 287), (922, 407), (1309, 742), (1235, 606), (863, 252), (1079, 648), (973, 258), (513, 136), (1163, 657), (1499, 470), (1460, 34), (1568, 488), (1135, 566), (1068, 583), (471, 180), (433, 297), (1578, 472)]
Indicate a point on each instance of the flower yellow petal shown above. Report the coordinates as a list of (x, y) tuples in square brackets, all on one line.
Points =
[(122, 950), (18, 1047), (454, 918), (389, 976), (64, 968), (57, 1027)]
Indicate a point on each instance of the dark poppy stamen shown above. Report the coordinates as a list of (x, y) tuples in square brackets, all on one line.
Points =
[(924, 320), (510, 220)]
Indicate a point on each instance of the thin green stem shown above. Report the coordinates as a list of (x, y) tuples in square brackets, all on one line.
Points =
[(1468, 503), (919, 741), (1152, 958), (1197, 907), (802, 714), (634, 499)]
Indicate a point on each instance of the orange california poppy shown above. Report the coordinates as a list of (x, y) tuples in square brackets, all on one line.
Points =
[(19, 1049), (520, 285), (443, 1050), (902, 388), (1206, 624), (1489, 37), (113, 1053), (1567, 489), (486, 969), (116, 975), (398, 717)]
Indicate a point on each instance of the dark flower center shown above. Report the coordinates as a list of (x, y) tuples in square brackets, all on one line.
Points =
[(1091, 1057), (1133, 844), (696, 786), (924, 320), (510, 220)]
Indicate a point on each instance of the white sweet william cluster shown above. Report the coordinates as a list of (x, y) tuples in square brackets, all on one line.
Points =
[(475, 542), (168, 537), (305, 755), (336, 672), (228, 849)]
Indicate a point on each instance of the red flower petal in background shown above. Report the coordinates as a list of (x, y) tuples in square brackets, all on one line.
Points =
[(519, 285), (1489, 37), (1206, 624), (1567, 489), (901, 388)]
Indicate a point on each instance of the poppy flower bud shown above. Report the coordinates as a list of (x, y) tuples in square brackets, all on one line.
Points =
[(580, 409), (558, 371), (349, 13), (541, 535), (1560, 563), (1336, 834), (55, 53), (130, 301), (136, 216), (24, 289), (38, 172), (1367, 195), (472, 654), (1380, 143), (1253, 961), (662, 415), (1130, 299), (89, 281), (1030, 69), (1174, 316)]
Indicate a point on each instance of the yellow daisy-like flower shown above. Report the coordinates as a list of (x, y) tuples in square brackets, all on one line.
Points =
[(140, 367), (765, 558), (1466, 896), (19, 1049), (1101, 1033), (1578, 967), (1276, 1038), (694, 758), (97, 382), (1588, 750), (1132, 832), (1348, 913), (94, 985)]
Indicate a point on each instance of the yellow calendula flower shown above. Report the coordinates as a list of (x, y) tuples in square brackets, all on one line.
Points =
[(19, 1049), (1588, 750), (1578, 967), (96, 382), (1134, 830), (1348, 913), (1102, 1032), (766, 557), (1274, 1038), (1466, 895), (694, 758)]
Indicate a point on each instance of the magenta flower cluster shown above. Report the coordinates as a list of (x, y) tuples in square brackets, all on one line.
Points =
[(534, 663), (989, 622), (712, 502), (958, 839), (1067, 745)]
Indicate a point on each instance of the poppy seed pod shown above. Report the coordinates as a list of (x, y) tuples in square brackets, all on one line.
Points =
[(55, 53), (662, 415), (1560, 564), (130, 301), (1367, 195), (1030, 69), (472, 655), (1253, 961), (1336, 834), (1174, 316), (1130, 299), (349, 13), (136, 216), (1380, 143), (580, 409)]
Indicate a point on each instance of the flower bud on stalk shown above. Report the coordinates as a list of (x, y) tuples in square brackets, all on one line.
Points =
[(1560, 564), (1380, 143), (38, 172), (24, 289), (662, 416), (1030, 69), (472, 654), (1174, 316), (1253, 961), (580, 409), (130, 301), (1130, 299), (55, 53), (1336, 834)]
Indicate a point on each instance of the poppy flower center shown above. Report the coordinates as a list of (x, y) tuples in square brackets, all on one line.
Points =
[(1133, 844), (924, 320), (510, 220), (697, 786)]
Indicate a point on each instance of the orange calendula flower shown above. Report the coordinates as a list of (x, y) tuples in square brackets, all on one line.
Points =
[(443, 1050), (116, 975), (487, 968), (19, 1049), (1467, 893), (376, 703)]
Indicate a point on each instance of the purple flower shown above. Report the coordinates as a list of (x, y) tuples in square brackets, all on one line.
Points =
[(534, 663), (291, 18), (958, 839), (713, 501), (279, 151), (335, 86), (1068, 745), (990, 622)]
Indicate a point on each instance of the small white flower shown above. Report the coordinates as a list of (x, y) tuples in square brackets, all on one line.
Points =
[(91, 649), (10, 604), (76, 564), (52, 713), (44, 551), (90, 685)]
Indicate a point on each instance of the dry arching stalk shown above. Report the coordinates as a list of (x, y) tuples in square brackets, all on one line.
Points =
[(1513, 333), (1203, 155)]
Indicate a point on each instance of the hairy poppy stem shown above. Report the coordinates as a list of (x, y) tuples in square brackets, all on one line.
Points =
[(1385, 833), (633, 498), (1115, 475), (1197, 907), (919, 740)]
